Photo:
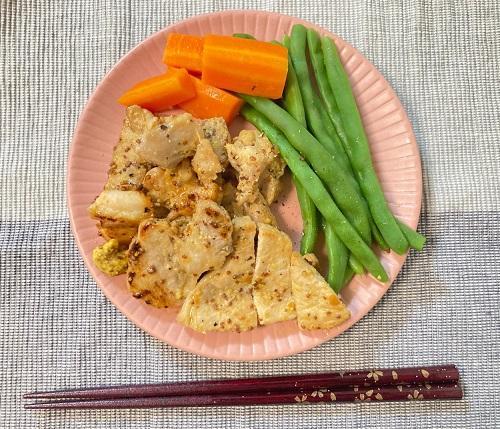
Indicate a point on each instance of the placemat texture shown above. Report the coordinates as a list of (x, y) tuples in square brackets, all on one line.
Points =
[(57, 329)]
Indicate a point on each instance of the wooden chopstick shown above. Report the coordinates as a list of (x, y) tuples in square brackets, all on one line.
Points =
[(310, 382), (343, 394)]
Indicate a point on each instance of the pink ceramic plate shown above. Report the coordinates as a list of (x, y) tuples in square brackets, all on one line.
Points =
[(395, 155)]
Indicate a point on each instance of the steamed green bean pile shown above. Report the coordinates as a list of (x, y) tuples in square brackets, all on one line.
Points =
[(318, 130)]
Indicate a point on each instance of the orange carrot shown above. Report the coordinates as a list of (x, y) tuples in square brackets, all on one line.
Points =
[(183, 50), (244, 65), (161, 92), (211, 102)]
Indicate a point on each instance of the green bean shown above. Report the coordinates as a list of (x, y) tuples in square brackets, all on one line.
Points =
[(317, 61), (349, 274), (318, 65), (332, 134), (345, 195), (316, 190), (292, 97), (355, 265), (331, 109), (319, 122), (292, 100), (368, 239), (309, 219), (358, 150), (318, 117), (298, 113), (415, 239), (337, 257), (244, 36), (312, 104), (337, 253), (378, 236)]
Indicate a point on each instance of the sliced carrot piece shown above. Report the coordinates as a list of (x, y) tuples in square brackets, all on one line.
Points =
[(184, 50), (161, 92), (211, 102), (244, 65)]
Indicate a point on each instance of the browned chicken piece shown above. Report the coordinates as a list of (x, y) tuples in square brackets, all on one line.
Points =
[(127, 168), (178, 189), (253, 156), (147, 141), (317, 305), (167, 257), (272, 293), (270, 183), (229, 200), (169, 140), (205, 242), (257, 208), (222, 299), (250, 154), (122, 205), (153, 273), (120, 212), (206, 163), (216, 132), (119, 231)]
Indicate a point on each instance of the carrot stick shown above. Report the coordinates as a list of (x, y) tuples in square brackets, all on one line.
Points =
[(184, 50), (161, 92), (211, 102), (244, 65)]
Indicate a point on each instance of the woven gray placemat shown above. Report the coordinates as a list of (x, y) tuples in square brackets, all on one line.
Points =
[(58, 330)]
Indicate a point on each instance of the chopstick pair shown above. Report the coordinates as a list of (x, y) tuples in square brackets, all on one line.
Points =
[(400, 384)]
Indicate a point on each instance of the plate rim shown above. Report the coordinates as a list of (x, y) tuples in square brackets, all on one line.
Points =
[(212, 354)]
